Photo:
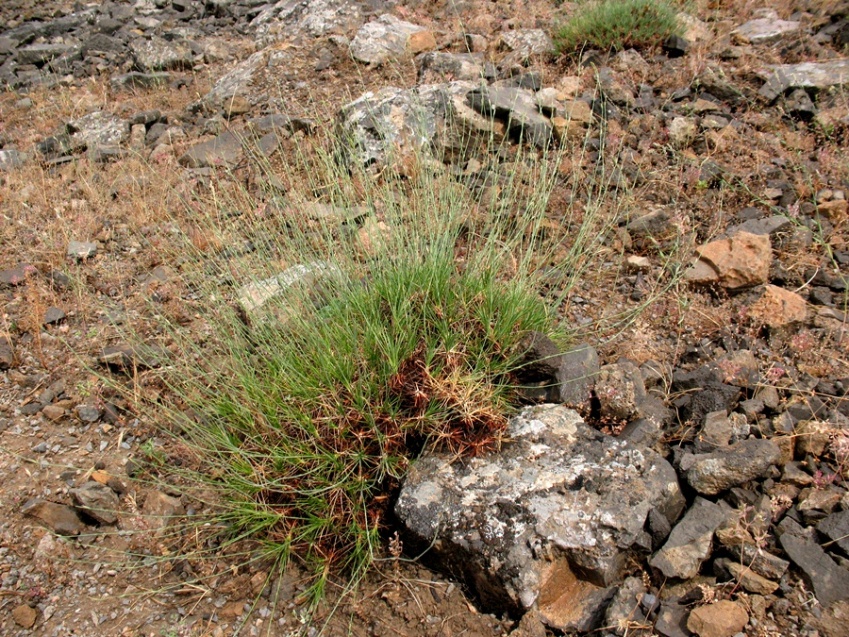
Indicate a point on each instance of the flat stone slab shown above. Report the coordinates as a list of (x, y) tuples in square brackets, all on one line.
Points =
[(829, 581), (559, 498), (690, 542), (388, 38), (818, 75), (764, 30)]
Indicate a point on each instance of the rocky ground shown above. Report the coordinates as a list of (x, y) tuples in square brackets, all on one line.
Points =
[(714, 432)]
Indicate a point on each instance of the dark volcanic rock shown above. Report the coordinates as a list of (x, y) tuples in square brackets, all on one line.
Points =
[(97, 500), (712, 473), (829, 581), (690, 542)]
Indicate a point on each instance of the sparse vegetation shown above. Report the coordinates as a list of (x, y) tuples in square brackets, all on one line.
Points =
[(616, 25)]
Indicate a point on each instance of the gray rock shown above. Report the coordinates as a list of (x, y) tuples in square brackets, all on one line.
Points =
[(829, 581), (438, 66), (391, 125), (39, 54), (625, 606), (226, 150), (800, 105), (578, 370), (237, 81), (98, 501), (157, 54), (61, 518), (765, 30), (53, 315), (11, 158), (518, 108), (672, 621), (258, 294), (88, 413), (385, 39), (764, 564), (771, 226), (816, 75), (620, 390), (524, 43), (134, 79), (690, 542), (558, 496), (836, 528), (98, 129), (712, 473), (81, 249), (316, 18)]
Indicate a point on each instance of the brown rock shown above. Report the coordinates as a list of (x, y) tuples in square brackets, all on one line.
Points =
[(834, 210), (778, 307), (736, 263), (722, 619), (59, 517), (24, 616), (748, 579), (7, 354), (421, 41), (160, 508), (567, 603), (53, 412)]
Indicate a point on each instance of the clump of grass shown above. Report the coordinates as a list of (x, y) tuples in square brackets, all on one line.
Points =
[(617, 25), (295, 422)]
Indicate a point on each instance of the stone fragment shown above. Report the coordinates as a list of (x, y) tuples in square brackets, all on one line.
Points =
[(157, 54), (53, 315), (578, 370), (24, 615), (620, 390), (525, 43), (558, 495), (836, 528), (98, 129), (98, 501), (747, 578), (735, 263), (772, 226), (11, 159), (60, 518), (690, 542), (388, 38), (829, 581), (624, 608), (570, 603), (517, 107), (764, 30), (720, 619), (81, 250), (811, 75), (672, 621), (778, 307), (16, 276), (160, 509), (7, 353), (302, 277), (298, 18), (812, 437), (763, 563), (40, 54), (682, 131), (440, 66), (135, 79), (715, 472), (541, 359), (225, 150)]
